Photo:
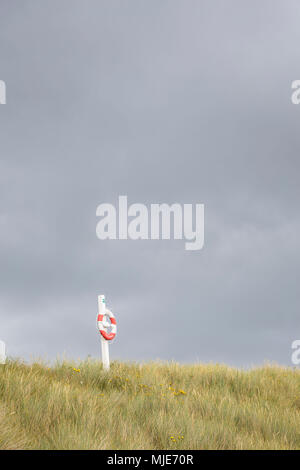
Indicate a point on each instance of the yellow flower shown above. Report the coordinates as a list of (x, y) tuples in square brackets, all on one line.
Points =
[(182, 392), (76, 370)]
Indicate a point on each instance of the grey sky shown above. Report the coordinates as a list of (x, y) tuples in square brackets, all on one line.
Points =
[(163, 101)]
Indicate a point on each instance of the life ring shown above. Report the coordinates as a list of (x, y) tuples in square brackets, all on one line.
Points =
[(112, 334)]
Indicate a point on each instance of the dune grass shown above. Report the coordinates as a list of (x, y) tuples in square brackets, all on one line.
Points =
[(150, 406)]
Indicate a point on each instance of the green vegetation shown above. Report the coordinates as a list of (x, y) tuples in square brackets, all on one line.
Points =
[(150, 406)]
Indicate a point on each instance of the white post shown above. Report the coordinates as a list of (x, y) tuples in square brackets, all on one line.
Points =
[(104, 342), (2, 352)]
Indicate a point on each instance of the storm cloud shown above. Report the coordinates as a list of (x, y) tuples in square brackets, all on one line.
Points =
[(162, 101)]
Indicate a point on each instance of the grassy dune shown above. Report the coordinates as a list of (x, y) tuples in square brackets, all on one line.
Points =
[(151, 406)]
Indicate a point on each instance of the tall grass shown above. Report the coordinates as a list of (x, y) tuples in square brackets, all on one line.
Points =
[(151, 406)]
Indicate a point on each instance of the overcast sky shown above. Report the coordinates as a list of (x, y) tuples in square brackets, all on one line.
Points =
[(163, 101)]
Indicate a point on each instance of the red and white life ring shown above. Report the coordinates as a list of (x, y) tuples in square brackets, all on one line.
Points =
[(112, 334)]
